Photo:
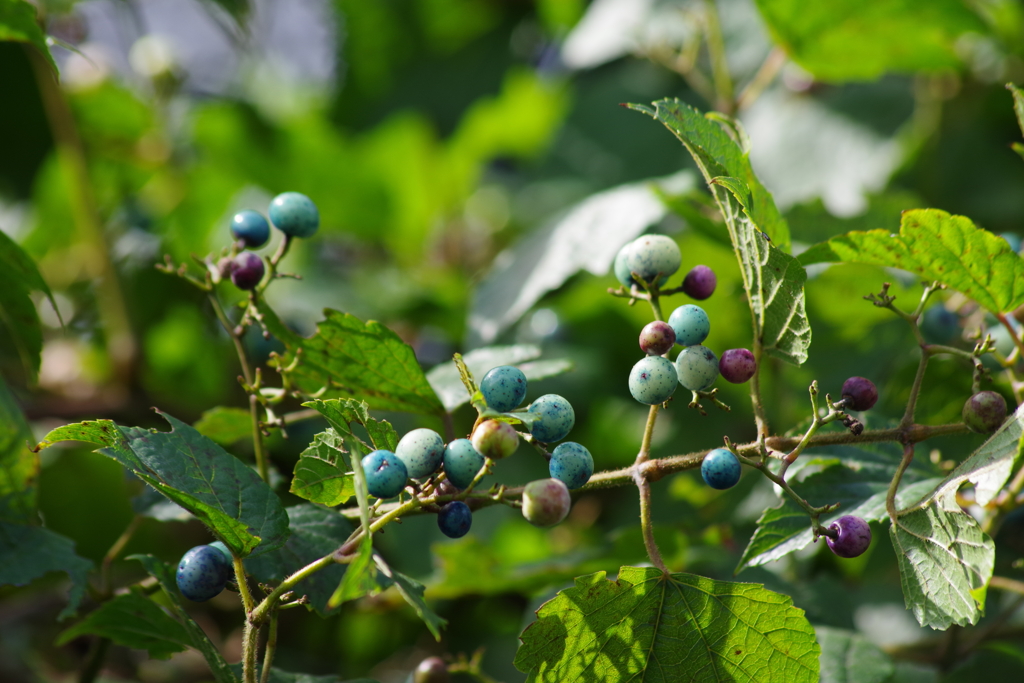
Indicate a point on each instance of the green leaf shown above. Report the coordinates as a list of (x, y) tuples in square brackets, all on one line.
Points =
[(19, 277), (650, 626), (848, 657), (19, 464), (412, 590), (164, 574), (360, 577), (135, 621), (341, 413), (990, 466), (197, 474), (226, 426), (845, 40), (1018, 104), (316, 533), (28, 552), (940, 247), (320, 475), (349, 358), (18, 23)]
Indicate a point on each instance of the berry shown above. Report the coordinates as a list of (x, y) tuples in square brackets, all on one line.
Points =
[(854, 536), (697, 367), (939, 325), (454, 519), (860, 393), (461, 462), (294, 214), (546, 502), (653, 380), (621, 267), (504, 388), (737, 365), (431, 670), (556, 418), (720, 469), (223, 548), (202, 573), (422, 451), (251, 228), (247, 270), (984, 412), (691, 325), (1013, 239), (385, 474), (572, 464), (699, 283), (657, 338), (654, 256), (495, 440)]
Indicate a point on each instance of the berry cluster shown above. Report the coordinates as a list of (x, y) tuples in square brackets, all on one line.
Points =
[(292, 213)]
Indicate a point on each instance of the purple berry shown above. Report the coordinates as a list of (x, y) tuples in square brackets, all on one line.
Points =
[(546, 502), (247, 270), (737, 365), (984, 412), (860, 393), (495, 440), (431, 670), (854, 536), (700, 283), (657, 338)]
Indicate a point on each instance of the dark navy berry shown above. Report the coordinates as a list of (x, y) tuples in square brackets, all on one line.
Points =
[(699, 283), (247, 270), (572, 464), (860, 393), (454, 519), (691, 325), (653, 380), (556, 418), (462, 462), (385, 473), (223, 548), (504, 388), (546, 502), (854, 536), (720, 469), (251, 228), (984, 412), (202, 573), (737, 365), (294, 214), (422, 451), (657, 338)]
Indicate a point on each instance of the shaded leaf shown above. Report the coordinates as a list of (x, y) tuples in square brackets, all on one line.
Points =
[(360, 578), (19, 465), (848, 657), (135, 621), (28, 552), (320, 474), (225, 425), (151, 503), (412, 590), (18, 23), (19, 277)]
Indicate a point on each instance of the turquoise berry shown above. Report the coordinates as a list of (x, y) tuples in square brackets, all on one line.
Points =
[(224, 549), (250, 227), (556, 418), (691, 325), (697, 367), (653, 380), (385, 474), (572, 464), (621, 267), (720, 469), (462, 462), (654, 256), (454, 519), (1013, 239), (422, 451), (294, 214), (504, 388), (202, 573)]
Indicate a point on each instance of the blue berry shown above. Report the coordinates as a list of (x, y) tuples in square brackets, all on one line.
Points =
[(385, 474), (691, 325), (697, 367), (422, 451), (653, 380), (294, 214), (462, 462), (202, 573), (651, 255), (504, 388), (247, 270), (454, 519), (572, 464), (223, 548), (556, 418), (720, 469), (250, 227), (939, 325)]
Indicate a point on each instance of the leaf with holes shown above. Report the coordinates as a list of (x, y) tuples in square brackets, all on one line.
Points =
[(320, 474)]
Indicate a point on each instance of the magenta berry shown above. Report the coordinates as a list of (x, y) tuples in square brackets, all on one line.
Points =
[(700, 283), (860, 393), (984, 412), (737, 365), (854, 536), (247, 270), (657, 338), (546, 502), (431, 670)]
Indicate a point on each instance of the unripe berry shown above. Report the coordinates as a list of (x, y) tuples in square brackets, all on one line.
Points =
[(720, 469), (495, 440), (421, 450), (251, 228), (504, 388), (737, 365), (294, 214), (860, 393), (546, 502), (454, 519), (556, 418), (691, 325), (697, 367), (652, 255), (853, 539), (572, 464), (699, 283), (657, 338), (431, 670), (653, 380), (385, 473), (461, 463), (984, 412), (247, 270), (202, 573)]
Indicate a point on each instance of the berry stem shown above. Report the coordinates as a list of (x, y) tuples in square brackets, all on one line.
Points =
[(890, 498), (915, 390), (644, 487)]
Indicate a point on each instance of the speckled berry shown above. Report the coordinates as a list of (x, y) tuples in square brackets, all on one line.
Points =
[(654, 257), (720, 469), (700, 283), (737, 365), (462, 462), (431, 670), (853, 539), (504, 388), (860, 393), (385, 473), (697, 367), (657, 338), (422, 451), (202, 573), (556, 418), (223, 548), (454, 519), (546, 502), (984, 412), (294, 214), (691, 325), (495, 440), (621, 266), (572, 464), (939, 325), (653, 380), (247, 270), (251, 228)]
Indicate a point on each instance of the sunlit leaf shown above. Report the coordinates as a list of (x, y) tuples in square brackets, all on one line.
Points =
[(321, 475), (28, 552), (135, 621)]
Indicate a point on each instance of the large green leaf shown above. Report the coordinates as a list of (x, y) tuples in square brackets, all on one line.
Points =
[(320, 474), (655, 627), (135, 621), (937, 246), (19, 465), (18, 23), (28, 552), (197, 474), (990, 466), (412, 590), (349, 358), (844, 40), (19, 277), (848, 657)]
